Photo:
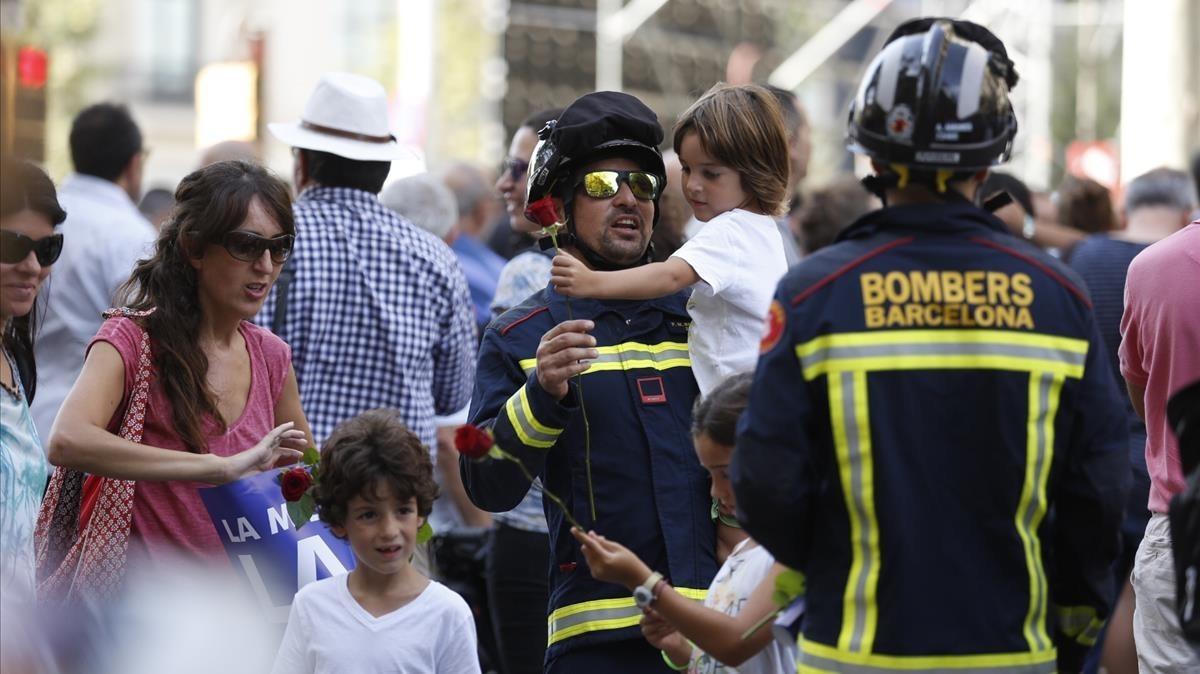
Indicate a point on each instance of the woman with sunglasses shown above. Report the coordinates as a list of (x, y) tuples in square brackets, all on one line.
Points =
[(223, 401), (29, 212)]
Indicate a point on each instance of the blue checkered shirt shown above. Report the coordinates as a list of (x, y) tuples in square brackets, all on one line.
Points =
[(378, 315)]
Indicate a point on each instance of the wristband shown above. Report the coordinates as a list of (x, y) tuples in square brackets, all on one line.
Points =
[(672, 665)]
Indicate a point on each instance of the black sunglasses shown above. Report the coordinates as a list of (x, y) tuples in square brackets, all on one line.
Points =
[(249, 247), (15, 247), (605, 184), (515, 167)]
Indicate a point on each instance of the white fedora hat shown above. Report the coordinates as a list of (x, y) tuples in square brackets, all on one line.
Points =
[(346, 115)]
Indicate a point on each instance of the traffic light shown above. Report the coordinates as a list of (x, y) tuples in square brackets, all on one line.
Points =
[(23, 109)]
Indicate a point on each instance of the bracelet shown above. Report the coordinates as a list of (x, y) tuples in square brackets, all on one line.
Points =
[(667, 659)]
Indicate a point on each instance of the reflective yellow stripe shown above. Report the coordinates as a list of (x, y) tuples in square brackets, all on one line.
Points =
[(632, 356), (852, 440), (1079, 623), (944, 337), (601, 614), (820, 657), (942, 349), (846, 358), (1044, 390), (530, 431)]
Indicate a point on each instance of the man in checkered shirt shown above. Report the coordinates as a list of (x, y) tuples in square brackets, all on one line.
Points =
[(376, 311)]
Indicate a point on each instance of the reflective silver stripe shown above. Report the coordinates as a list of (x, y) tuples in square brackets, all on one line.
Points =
[(855, 458), (953, 664), (827, 353), (623, 356), (630, 352), (592, 615), (1074, 620), (1079, 623), (521, 418)]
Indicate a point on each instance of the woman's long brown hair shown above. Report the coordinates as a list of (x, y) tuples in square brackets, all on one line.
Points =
[(209, 203)]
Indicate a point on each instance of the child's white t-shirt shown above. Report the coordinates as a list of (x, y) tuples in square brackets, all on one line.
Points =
[(738, 256), (741, 574), (328, 631)]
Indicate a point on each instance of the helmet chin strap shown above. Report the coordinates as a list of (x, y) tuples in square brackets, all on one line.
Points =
[(568, 239), (898, 177)]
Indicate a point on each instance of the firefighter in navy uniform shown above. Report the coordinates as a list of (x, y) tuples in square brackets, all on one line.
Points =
[(637, 389), (933, 437)]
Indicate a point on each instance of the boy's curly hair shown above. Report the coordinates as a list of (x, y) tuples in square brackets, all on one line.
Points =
[(372, 448)]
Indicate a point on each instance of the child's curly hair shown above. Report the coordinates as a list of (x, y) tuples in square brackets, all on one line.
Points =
[(372, 448)]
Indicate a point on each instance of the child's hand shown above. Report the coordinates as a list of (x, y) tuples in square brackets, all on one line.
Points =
[(611, 561), (663, 635), (571, 277)]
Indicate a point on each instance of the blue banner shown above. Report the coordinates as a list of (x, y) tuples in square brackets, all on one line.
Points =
[(252, 520)]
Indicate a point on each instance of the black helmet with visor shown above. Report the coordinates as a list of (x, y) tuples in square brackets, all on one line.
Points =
[(596, 126), (936, 99)]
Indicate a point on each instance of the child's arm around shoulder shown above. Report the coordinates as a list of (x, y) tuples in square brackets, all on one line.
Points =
[(657, 279)]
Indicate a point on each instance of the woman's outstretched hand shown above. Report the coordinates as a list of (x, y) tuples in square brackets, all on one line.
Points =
[(610, 561), (281, 447)]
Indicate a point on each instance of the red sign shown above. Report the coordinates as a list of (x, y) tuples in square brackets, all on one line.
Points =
[(32, 65), (1097, 160)]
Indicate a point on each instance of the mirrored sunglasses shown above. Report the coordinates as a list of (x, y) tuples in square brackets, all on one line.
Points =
[(249, 247), (15, 247), (605, 184)]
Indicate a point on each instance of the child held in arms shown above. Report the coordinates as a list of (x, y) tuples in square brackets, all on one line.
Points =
[(733, 147), (376, 488)]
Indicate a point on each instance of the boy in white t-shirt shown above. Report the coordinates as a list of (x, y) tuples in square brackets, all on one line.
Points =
[(376, 488), (732, 145)]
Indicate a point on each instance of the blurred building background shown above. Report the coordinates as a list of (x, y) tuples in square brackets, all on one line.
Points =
[(1109, 87)]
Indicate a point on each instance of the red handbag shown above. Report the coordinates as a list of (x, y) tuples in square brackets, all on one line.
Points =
[(82, 533)]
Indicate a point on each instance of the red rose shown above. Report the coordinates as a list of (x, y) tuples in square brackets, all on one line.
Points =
[(472, 442), (294, 483), (542, 212)]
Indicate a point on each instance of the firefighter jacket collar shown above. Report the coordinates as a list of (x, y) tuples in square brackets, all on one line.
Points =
[(933, 218)]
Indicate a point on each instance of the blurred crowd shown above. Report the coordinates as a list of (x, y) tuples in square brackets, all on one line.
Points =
[(281, 307)]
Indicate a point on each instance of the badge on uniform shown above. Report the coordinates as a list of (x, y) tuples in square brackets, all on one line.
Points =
[(772, 327), (652, 390)]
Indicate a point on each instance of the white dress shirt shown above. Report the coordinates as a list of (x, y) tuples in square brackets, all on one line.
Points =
[(104, 235)]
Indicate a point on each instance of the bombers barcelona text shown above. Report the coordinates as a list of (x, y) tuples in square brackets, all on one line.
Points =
[(931, 299)]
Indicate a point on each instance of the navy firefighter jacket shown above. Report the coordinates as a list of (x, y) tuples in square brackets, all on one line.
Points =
[(935, 440), (651, 494)]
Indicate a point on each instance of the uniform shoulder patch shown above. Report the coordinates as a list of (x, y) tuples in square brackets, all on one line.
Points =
[(514, 317), (772, 327)]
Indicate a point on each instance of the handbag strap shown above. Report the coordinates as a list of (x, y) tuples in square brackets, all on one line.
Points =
[(93, 557), (133, 424)]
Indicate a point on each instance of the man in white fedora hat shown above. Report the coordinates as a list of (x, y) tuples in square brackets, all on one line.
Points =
[(376, 311)]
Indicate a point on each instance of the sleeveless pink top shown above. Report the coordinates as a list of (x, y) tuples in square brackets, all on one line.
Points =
[(169, 519)]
